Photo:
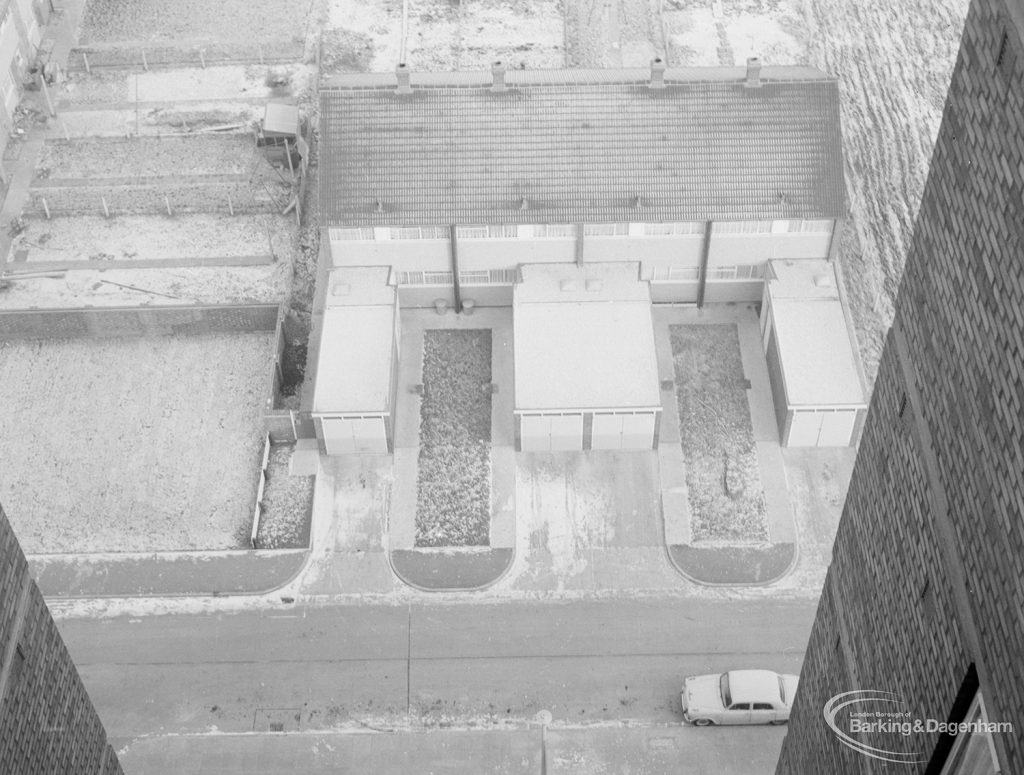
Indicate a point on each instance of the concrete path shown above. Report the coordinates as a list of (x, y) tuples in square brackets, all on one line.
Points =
[(166, 573), (526, 750)]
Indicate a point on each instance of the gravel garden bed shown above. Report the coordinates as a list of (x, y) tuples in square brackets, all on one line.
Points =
[(287, 504), (726, 499), (148, 157), (453, 487)]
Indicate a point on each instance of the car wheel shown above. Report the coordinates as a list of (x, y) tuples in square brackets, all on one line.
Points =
[(702, 722), (779, 723)]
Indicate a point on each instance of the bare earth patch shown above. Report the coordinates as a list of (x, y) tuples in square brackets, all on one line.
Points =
[(726, 499), (198, 235), (225, 20), (453, 488), (142, 444), (225, 154)]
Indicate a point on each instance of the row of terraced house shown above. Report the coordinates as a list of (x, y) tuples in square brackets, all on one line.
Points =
[(580, 198)]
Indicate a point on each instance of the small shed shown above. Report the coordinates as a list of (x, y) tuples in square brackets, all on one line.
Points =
[(357, 363), (818, 385), (281, 120), (586, 374)]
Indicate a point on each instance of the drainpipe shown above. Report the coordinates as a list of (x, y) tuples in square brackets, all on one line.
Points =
[(579, 244), (453, 243), (703, 279)]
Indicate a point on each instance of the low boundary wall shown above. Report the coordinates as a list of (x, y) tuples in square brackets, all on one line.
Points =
[(101, 322)]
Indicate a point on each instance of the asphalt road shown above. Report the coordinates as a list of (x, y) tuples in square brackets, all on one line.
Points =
[(312, 669)]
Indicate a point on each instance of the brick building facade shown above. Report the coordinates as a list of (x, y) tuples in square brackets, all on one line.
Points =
[(47, 722), (925, 593)]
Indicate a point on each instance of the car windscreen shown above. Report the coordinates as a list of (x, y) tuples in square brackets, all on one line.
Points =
[(782, 689), (723, 685)]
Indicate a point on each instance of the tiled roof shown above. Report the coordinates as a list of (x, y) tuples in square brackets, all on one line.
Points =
[(580, 146)]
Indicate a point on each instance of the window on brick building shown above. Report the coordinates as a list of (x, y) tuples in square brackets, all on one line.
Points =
[(973, 751)]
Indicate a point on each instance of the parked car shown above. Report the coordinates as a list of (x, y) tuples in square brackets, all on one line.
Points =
[(738, 697)]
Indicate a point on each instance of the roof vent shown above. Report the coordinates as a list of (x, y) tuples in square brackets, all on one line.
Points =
[(783, 198), (657, 73), (638, 202), (524, 203), (378, 206), (823, 281), (498, 74), (567, 285), (402, 73), (753, 73)]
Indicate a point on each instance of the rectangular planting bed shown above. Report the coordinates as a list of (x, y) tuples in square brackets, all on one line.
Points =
[(726, 498), (453, 487)]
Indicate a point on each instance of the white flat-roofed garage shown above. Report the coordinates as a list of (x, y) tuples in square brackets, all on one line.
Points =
[(354, 393), (817, 385), (586, 375)]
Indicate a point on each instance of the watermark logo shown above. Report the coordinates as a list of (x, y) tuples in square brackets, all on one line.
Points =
[(867, 711), (884, 715)]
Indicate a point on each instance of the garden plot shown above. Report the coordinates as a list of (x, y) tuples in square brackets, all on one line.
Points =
[(148, 157), (130, 237), (255, 83), (193, 118), (772, 30), (268, 284), (725, 494), (209, 173), (137, 444), (366, 35), (894, 62), (184, 22), (453, 487)]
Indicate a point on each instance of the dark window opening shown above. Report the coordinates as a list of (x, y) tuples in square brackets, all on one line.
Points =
[(1002, 49)]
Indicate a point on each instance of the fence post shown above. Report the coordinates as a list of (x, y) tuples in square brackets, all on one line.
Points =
[(46, 207), (167, 202), (106, 210), (202, 58), (46, 94), (231, 207), (67, 135), (145, 62), (288, 155), (85, 58)]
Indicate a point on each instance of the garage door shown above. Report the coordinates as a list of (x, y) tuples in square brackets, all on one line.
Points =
[(551, 433), (353, 435), (822, 428), (837, 428), (623, 431)]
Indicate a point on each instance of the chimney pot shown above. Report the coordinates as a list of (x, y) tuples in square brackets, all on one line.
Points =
[(753, 73), (657, 73), (498, 74), (402, 73), (524, 203)]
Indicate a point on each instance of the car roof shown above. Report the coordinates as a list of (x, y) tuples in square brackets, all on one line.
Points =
[(754, 686)]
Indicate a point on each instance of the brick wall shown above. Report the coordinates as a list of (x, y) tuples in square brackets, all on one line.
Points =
[(47, 722), (928, 567)]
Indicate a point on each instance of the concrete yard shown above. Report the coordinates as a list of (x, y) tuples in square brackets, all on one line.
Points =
[(140, 444)]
